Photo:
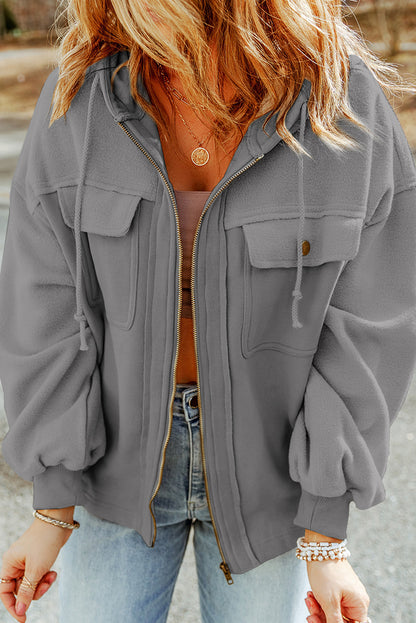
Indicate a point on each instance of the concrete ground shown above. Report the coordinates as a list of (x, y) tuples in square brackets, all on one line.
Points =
[(382, 539)]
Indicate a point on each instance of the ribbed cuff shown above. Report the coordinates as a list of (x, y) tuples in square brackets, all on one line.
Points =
[(328, 516), (56, 487)]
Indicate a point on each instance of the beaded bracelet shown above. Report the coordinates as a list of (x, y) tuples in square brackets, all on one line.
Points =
[(56, 522), (321, 545), (322, 550)]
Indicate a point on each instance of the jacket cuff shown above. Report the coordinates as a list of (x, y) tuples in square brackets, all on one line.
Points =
[(56, 487), (328, 516)]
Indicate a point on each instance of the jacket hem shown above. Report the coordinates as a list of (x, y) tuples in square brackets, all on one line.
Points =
[(270, 548), (115, 513)]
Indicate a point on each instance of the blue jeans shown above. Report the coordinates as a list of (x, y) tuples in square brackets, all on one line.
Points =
[(108, 574)]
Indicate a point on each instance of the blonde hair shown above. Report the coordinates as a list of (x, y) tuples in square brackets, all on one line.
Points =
[(266, 48)]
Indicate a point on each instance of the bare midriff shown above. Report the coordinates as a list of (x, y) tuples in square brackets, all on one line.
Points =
[(186, 367), (190, 205)]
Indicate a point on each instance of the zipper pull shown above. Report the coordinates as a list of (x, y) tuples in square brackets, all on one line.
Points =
[(226, 570)]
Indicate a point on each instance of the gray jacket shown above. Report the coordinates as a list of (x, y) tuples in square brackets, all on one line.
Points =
[(304, 292)]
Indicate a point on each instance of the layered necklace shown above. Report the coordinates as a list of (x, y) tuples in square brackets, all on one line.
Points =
[(199, 155)]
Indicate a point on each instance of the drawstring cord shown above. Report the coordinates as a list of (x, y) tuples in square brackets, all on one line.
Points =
[(79, 315), (296, 292)]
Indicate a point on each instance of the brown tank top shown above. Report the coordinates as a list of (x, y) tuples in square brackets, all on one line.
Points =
[(190, 204)]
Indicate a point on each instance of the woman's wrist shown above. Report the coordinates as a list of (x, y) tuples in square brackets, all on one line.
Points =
[(316, 537)]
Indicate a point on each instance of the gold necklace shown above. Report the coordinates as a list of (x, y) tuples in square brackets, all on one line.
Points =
[(199, 155)]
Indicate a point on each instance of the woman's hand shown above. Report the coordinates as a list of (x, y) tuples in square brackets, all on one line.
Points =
[(337, 591), (31, 555)]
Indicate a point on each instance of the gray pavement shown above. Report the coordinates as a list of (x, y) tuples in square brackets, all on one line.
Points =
[(382, 539)]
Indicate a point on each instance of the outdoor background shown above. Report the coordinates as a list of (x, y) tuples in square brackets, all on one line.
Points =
[(382, 539)]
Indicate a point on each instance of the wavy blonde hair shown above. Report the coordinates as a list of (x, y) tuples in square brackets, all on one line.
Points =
[(266, 48)]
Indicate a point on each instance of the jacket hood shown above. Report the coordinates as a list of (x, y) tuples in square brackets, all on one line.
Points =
[(122, 106)]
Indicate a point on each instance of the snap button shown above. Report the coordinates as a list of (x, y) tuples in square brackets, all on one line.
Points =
[(194, 401), (306, 247)]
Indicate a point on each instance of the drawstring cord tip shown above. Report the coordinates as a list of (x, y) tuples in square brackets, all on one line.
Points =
[(297, 295), (81, 318)]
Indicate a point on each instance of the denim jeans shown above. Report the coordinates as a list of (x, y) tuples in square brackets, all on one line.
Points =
[(107, 574)]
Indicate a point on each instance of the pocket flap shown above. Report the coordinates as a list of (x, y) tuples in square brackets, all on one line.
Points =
[(273, 242), (104, 212)]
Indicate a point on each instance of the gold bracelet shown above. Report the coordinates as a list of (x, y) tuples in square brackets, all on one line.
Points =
[(56, 522)]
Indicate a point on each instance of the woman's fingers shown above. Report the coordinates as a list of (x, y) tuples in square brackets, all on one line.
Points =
[(19, 591), (10, 570), (9, 601), (28, 588), (317, 614), (45, 584), (313, 603), (7, 591)]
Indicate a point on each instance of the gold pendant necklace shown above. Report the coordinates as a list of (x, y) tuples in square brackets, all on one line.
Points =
[(200, 155)]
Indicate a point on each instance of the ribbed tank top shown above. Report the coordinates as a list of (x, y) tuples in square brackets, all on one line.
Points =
[(190, 204)]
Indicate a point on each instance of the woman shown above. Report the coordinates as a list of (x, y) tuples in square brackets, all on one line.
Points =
[(207, 310)]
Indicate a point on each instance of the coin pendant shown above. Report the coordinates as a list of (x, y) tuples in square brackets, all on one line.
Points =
[(200, 156)]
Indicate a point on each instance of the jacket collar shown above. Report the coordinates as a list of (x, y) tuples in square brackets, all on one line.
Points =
[(122, 107)]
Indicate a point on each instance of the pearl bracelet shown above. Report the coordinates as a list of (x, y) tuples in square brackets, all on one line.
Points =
[(322, 550), (56, 522)]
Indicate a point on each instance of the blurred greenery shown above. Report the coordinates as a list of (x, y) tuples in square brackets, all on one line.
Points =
[(8, 21)]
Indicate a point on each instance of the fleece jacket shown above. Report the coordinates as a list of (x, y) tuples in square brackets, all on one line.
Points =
[(304, 302)]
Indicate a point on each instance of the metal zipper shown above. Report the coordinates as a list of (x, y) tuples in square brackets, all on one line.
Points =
[(223, 565), (173, 199)]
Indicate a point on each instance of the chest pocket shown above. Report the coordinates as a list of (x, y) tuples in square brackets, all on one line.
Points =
[(109, 226), (270, 265)]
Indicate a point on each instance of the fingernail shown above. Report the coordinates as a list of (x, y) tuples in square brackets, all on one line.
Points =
[(308, 603), (20, 608)]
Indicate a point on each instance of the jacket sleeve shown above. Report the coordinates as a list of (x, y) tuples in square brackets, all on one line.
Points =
[(51, 388), (361, 372)]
